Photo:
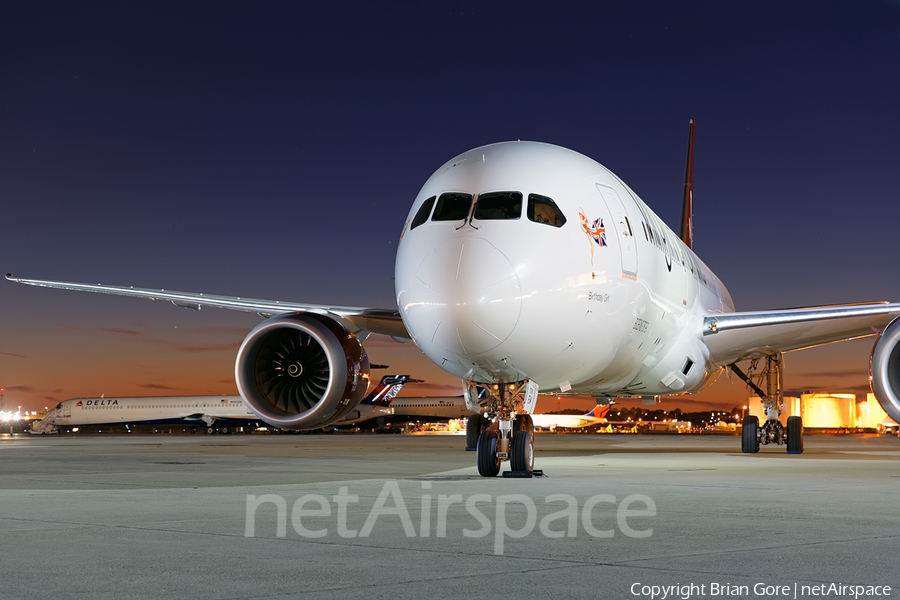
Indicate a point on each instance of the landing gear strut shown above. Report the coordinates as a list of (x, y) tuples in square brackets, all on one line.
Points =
[(503, 427), (772, 431)]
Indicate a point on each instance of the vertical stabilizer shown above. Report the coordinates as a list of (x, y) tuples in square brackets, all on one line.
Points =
[(599, 411), (386, 391), (687, 210)]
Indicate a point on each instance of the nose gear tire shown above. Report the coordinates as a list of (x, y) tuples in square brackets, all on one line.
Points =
[(488, 461), (522, 456)]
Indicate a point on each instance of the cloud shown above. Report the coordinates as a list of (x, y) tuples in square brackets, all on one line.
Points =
[(155, 386), (860, 389), (230, 346), (64, 326), (687, 401), (848, 373), (20, 388), (13, 355), (121, 331), (241, 331)]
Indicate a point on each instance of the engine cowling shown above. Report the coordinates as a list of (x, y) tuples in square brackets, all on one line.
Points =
[(301, 371), (884, 369)]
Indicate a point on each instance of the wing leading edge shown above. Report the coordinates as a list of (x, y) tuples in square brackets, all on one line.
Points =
[(355, 319), (738, 336)]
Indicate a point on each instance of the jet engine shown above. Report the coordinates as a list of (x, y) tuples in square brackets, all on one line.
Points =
[(884, 369), (301, 371)]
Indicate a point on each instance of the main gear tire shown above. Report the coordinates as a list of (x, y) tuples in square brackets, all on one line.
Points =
[(474, 426), (750, 435), (795, 435), (524, 423)]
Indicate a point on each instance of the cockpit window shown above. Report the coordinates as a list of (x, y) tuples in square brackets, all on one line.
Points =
[(423, 213), (498, 206), (452, 206), (542, 209)]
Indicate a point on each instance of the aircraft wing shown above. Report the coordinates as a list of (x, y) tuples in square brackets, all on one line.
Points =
[(732, 337), (372, 320)]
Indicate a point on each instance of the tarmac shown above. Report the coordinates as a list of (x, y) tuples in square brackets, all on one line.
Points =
[(405, 516)]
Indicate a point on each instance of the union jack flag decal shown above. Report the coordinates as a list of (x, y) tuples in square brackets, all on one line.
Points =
[(595, 231)]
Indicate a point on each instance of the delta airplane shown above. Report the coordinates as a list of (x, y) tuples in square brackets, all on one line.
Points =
[(526, 267), (218, 413), (223, 413)]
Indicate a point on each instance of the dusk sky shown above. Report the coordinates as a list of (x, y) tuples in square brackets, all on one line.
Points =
[(273, 149)]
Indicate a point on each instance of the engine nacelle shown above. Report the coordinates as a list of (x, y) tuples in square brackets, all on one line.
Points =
[(301, 371), (884, 369)]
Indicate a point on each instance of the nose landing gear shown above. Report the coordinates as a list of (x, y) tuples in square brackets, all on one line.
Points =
[(504, 429)]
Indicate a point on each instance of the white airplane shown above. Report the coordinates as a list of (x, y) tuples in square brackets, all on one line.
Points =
[(218, 413), (595, 416), (428, 408), (383, 406), (526, 267)]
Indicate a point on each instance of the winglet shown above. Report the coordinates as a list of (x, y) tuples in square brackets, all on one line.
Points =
[(687, 211), (386, 391)]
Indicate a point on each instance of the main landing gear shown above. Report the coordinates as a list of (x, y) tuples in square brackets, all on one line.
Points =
[(502, 429), (772, 431)]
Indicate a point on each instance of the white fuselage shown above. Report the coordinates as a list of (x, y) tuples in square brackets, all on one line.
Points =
[(609, 302), (156, 409), (551, 422), (452, 407), (409, 408)]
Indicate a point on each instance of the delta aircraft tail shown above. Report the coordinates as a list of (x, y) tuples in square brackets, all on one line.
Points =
[(598, 411)]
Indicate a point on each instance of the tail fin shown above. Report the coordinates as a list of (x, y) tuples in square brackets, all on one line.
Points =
[(598, 411), (687, 211), (386, 391)]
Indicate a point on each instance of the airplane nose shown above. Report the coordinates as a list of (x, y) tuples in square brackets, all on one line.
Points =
[(465, 298)]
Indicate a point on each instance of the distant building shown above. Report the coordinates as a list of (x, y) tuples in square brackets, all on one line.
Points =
[(825, 410), (674, 426), (869, 412)]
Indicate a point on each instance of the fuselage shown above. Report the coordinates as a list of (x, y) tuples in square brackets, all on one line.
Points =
[(434, 407), (194, 410), (411, 409), (524, 260)]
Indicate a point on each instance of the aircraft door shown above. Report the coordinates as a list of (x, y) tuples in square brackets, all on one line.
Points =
[(624, 230), (65, 409)]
